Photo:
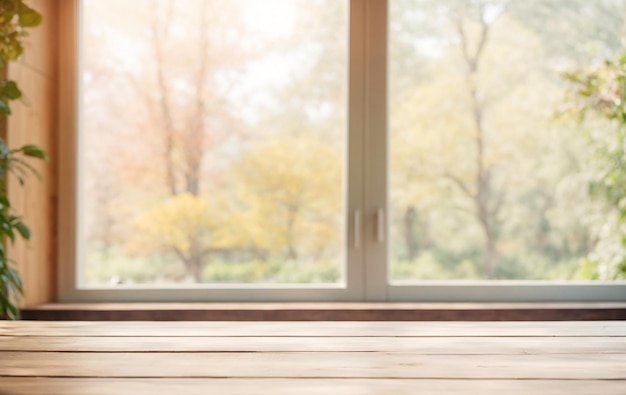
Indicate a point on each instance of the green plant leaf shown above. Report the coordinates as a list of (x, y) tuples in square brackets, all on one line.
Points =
[(23, 230), (29, 17), (15, 279), (12, 312), (4, 149), (10, 90), (4, 202), (34, 152), (23, 168), (4, 107), (8, 230)]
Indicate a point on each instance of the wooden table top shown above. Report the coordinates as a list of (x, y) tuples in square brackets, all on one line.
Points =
[(70, 358)]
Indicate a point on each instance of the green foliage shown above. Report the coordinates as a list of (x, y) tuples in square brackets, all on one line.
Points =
[(429, 266), (600, 92), (272, 271), (110, 266), (10, 285), (494, 173), (11, 225), (8, 91), (15, 17), (588, 270), (114, 267)]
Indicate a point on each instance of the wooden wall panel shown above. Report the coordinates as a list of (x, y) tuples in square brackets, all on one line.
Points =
[(34, 122)]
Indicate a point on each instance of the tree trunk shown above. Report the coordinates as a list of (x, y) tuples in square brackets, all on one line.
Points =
[(292, 214), (196, 267), (491, 256), (486, 209), (196, 261), (195, 136), (159, 34)]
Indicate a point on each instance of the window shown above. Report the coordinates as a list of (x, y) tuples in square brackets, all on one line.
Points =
[(331, 150)]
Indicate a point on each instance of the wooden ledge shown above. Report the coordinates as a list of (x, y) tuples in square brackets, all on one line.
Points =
[(326, 312)]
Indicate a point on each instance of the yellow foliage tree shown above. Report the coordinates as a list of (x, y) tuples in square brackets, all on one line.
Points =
[(185, 224), (291, 189)]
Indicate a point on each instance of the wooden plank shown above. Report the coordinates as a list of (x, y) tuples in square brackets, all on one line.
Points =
[(313, 365), (313, 329), (418, 345), (326, 311), (60, 386), (271, 306)]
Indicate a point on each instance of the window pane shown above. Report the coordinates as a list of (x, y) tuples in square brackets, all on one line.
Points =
[(489, 177), (212, 141)]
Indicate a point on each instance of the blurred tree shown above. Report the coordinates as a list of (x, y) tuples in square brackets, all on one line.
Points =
[(601, 92), (182, 106), (251, 126), (186, 225), (291, 193), (474, 150), (193, 80), (472, 22)]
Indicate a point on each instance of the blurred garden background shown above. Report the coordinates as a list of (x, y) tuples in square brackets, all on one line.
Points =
[(214, 140)]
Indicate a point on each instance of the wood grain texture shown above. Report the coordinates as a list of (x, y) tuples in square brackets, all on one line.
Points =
[(326, 311), (72, 358), (417, 345), (253, 364), (34, 122), (63, 386), (315, 329)]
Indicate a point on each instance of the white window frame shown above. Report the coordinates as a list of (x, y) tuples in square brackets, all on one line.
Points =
[(366, 189)]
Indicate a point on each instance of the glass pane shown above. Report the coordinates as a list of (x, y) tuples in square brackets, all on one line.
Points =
[(213, 141), (489, 170)]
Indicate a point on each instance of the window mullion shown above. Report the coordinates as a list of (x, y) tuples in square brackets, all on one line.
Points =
[(375, 163)]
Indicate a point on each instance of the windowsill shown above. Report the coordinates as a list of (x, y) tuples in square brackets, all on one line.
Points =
[(326, 311)]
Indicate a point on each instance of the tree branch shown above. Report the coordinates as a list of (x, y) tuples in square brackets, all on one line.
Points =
[(180, 256), (460, 184)]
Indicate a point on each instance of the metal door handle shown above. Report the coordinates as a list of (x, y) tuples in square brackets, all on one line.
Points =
[(380, 226), (357, 229)]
